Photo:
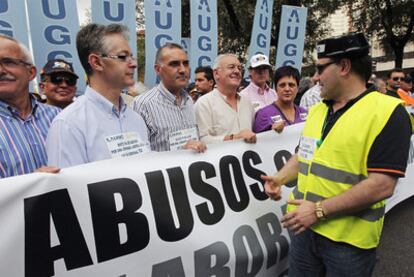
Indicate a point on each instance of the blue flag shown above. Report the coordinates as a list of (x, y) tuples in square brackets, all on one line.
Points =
[(162, 24), (54, 25), (291, 36), (13, 21), (120, 12), (262, 26), (203, 33)]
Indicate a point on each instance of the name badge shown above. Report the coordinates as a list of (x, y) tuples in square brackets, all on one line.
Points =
[(307, 148), (179, 138), (276, 118), (126, 144), (303, 116)]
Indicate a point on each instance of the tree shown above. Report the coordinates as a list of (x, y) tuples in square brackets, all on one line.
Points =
[(391, 21)]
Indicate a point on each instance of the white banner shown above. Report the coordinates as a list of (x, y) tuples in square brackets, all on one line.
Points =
[(159, 214)]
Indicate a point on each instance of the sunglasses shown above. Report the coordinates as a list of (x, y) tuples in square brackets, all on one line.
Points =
[(321, 67), (396, 79), (58, 79)]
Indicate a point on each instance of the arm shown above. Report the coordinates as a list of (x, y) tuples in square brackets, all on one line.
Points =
[(375, 188), (287, 174), (262, 122)]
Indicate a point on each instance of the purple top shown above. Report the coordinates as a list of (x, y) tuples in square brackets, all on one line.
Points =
[(270, 114)]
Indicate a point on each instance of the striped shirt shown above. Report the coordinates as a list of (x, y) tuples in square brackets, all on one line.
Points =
[(22, 141), (163, 115), (311, 97)]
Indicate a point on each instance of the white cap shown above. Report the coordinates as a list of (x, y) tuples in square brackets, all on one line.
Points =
[(259, 60)]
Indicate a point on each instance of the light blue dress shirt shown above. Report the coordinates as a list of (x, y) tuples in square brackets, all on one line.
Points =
[(77, 135)]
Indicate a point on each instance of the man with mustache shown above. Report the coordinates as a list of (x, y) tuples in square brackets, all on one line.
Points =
[(58, 83), (222, 114), (24, 122), (99, 125), (167, 108)]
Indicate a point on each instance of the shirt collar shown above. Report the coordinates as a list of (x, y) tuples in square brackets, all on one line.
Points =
[(170, 96), (9, 110), (223, 96), (104, 103), (330, 103), (258, 89)]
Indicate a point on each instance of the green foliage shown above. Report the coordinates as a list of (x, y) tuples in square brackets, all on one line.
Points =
[(392, 21)]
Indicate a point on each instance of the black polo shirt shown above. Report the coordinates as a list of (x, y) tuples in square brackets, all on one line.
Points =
[(389, 152)]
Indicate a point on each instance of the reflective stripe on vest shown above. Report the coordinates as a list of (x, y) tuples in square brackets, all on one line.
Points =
[(340, 162)]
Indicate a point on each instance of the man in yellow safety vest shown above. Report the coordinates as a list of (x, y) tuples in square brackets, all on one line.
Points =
[(352, 151)]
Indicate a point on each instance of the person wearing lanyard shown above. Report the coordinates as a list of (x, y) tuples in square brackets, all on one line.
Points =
[(167, 108), (283, 111), (345, 166)]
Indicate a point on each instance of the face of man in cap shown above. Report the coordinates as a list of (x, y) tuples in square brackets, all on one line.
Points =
[(15, 72), (327, 76), (260, 75), (59, 88)]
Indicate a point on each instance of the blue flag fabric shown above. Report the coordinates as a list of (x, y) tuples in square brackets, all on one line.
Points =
[(54, 25), (203, 33), (291, 36), (262, 27), (162, 24)]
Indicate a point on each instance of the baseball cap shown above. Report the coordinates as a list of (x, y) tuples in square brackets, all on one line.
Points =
[(57, 66), (259, 60), (351, 45)]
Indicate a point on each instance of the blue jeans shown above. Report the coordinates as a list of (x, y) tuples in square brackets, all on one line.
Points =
[(314, 255)]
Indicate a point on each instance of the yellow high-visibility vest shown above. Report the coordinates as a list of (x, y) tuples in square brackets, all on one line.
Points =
[(333, 166)]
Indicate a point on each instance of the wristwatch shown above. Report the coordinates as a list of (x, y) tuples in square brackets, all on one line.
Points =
[(320, 214)]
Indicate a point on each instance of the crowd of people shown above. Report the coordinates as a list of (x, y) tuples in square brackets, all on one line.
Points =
[(343, 175)]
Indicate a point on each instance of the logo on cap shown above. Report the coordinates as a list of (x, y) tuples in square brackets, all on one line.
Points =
[(62, 65), (320, 48)]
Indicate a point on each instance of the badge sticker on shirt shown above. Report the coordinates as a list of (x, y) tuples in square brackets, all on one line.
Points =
[(303, 116), (179, 138), (307, 148), (276, 118), (256, 104), (126, 144)]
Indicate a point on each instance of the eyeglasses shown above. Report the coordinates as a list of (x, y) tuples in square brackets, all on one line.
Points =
[(123, 58), (321, 67), (58, 79), (233, 67), (12, 63), (396, 79)]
